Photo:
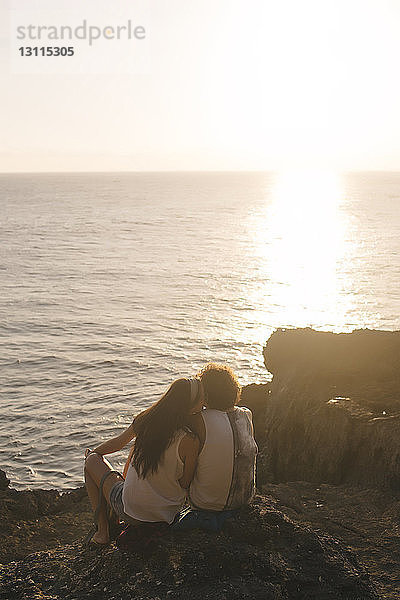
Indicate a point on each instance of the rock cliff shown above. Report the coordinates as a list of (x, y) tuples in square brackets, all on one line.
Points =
[(333, 411)]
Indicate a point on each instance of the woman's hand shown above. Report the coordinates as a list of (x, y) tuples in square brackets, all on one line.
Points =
[(115, 444)]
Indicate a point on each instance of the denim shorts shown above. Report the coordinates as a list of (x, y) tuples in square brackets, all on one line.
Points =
[(117, 504)]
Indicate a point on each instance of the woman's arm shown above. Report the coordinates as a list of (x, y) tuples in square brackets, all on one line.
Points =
[(116, 443), (189, 449)]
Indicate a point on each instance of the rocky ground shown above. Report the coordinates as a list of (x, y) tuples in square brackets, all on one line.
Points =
[(297, 541), (366, 521)]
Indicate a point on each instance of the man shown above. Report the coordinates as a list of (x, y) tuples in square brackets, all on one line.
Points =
[(225, 473)]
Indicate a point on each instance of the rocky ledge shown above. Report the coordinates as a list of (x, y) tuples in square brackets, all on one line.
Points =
[(261, 554), (298, 540)]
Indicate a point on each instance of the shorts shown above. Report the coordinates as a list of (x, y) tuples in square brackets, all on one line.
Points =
[(117, 504)]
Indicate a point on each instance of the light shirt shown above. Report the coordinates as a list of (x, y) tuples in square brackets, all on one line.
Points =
[(215, 473), (159, 496)]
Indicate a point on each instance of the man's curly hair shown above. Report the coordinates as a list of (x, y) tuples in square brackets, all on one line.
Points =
[(221, 386)]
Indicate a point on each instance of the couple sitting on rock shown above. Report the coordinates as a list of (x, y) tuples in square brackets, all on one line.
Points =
[(192, 446)]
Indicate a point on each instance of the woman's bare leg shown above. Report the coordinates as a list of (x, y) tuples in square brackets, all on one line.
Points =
[(102, 535), (95, 467)]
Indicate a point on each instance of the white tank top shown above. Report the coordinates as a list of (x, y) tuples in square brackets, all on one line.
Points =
[(211, 485), (158, 497)]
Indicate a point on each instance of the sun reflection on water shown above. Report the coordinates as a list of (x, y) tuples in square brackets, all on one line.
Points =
[(301, 245)]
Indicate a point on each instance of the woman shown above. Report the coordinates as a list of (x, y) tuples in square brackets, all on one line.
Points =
[(160, 466)]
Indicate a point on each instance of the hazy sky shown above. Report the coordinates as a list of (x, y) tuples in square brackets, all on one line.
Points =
[(217, 84)]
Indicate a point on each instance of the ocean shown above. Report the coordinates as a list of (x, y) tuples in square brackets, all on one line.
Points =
[(115, 284)]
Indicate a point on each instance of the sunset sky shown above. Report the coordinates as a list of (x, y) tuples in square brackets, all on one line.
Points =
[(216, 85)]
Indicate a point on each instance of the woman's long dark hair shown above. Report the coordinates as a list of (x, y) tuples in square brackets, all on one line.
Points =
[(156, 427)]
